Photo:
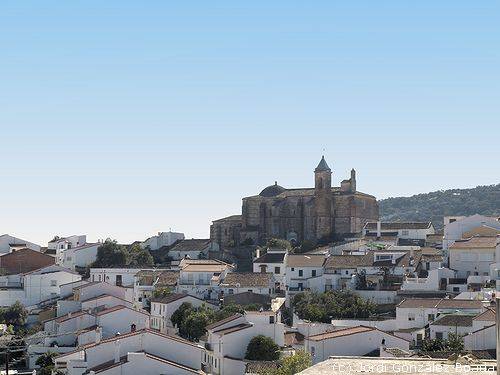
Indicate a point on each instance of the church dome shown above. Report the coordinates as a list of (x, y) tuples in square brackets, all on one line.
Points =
[(272, 190)]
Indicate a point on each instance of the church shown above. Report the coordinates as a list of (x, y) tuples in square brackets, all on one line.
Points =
[(323, 213)]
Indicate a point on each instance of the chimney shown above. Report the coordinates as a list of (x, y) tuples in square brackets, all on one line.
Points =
[(379, 228), (257, 253), (117, 351)]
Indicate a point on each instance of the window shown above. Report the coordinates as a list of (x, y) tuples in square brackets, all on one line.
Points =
[(313, 273), (456, 289), (249, 290), (405, 232), (99, 277), (93, 279), (68, 259), (293, 269), (347, 272), (301, 273), (53, 282), (231, 291), (271, 319), (119, 280), (430, 317), (439, 335), (313, 351), (301, 286), (411, 317), (277, 270)]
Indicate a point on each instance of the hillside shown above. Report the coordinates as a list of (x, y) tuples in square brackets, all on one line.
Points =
[(433, 206)]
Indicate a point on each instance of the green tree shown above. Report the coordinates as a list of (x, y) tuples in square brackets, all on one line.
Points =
[(15, 315), (46, 363), (262, 348), (227, 311), (110, 254), (322, 307), (278, 243), (454, 343), (194, 325), (180, 315), (161, 292), (139, 257), (434, 345), (294, 364)]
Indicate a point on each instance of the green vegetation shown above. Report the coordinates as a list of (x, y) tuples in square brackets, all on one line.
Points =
[(262, 348), (322, 307), (433, 206), (192, 321), (14, 315), (454, 343), (46, 363), (161, 292), (278, 243), (112, 254)]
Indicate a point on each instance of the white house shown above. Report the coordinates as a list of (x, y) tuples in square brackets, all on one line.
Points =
[(455, 227), (144, 352), (80, 256), (274, 261), (93, 304), (162, 309), (352, 341), (94, 289), (460, 324), (239, 282), (36, 286), (402, 230), (146, 281), (227, 340), (162, 239), (192, 249), (304, 271), (433, 282), (118, 319), (9, 243), (59, 244), (483, 335), (473, 256), (418, 312), (201, 278), (116, 276)]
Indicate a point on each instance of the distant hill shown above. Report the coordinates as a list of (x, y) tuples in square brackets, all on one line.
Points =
[(433, 206)]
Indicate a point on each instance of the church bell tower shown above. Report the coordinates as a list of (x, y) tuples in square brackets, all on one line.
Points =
[(323, 199)]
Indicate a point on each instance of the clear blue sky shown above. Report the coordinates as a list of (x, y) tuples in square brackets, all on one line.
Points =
[(123, 118)]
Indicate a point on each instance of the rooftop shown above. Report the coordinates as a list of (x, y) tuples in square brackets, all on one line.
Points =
[(454, 320), (191, 245), (340, 333), (223, 321), (475, 243), (248, 279), (309, 260), (270, 258), (441, 303)]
